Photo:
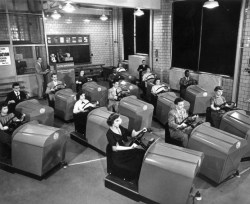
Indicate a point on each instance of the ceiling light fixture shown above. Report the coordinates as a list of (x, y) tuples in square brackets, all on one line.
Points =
[(104, 17), (210, 4), (68, 7), (86, 20), (138, 12), (55, 15)]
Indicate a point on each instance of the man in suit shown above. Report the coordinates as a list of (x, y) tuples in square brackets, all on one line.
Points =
[(39, 76), (143, 67), (52, 87), (14, 97), (186, 81)]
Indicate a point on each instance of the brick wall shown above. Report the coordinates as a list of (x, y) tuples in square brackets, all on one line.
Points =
[(100, 34), (162, 40), (244, 85)]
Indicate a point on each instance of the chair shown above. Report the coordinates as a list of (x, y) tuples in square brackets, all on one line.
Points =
[(208, 115), (109, 159), (170, 140)]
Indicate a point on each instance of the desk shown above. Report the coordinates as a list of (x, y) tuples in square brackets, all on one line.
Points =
[(90, 70)]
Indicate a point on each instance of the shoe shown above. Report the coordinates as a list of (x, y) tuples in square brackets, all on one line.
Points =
[(197, 196)]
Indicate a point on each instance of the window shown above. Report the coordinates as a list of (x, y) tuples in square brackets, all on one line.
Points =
[(26, 29), (4, 34), (205, 39), (25, 58)]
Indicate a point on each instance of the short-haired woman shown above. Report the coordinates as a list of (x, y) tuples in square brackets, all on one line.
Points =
[(127, 160)]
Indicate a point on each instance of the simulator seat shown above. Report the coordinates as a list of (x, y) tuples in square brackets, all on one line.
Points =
[(109, 159), (169, 139), (112, 169)]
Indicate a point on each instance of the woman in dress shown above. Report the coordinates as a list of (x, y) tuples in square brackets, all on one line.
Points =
[(127, 160)]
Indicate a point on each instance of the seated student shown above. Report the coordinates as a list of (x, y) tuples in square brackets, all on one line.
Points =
[(127, 160), (147, 76), (82, 79), (81, 110), (52, 87), (120, 68), (14, 97), (186, 81), (156, 89), (215, 102), (114, 96), (177, 129)]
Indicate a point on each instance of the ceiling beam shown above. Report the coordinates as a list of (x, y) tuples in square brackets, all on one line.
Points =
[(143, 4)]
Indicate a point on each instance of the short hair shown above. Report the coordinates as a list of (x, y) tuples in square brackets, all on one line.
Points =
[(112, 118), (156, 80), (79, 94), (143, 61), (178, 100), (149, 68), (38, 58), (115, 81), (15, 84), (218, 88), (186, 71), (53, 74), (4, 104)]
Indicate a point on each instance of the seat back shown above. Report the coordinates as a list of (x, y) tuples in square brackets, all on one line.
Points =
[(109, 158), (208, 115), (168, 138)]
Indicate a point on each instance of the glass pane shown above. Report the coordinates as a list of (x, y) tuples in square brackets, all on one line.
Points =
[(2, 6), (26, 6), (26, 29), (4, 35), (25, 58)]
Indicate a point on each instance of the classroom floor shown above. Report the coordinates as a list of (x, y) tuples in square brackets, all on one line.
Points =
[(83, 181)]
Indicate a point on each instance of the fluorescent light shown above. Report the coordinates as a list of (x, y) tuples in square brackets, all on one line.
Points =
[(138, 12), (211, 4), (68, 7), (104, 17), (55, 15), (86, 21)]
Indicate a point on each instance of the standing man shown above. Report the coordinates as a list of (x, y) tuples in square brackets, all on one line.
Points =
[(40, 77), (143, 67)]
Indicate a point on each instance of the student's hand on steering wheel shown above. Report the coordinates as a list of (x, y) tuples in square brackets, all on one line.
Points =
[(183, 125), (5, 127), (12, 101), (133, 146), (195, 116), (144, 129)]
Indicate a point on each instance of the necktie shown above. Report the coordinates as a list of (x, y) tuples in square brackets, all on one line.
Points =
[(18, 95)]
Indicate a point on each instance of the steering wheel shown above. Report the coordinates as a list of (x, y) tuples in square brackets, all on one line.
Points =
[(223, 107), (12, 125), (163, 91), (122, 93), (137, 139), (58, 87), (190, 122)]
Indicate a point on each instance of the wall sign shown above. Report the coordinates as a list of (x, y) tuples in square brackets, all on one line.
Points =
[(68, 39), (5, 56)]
